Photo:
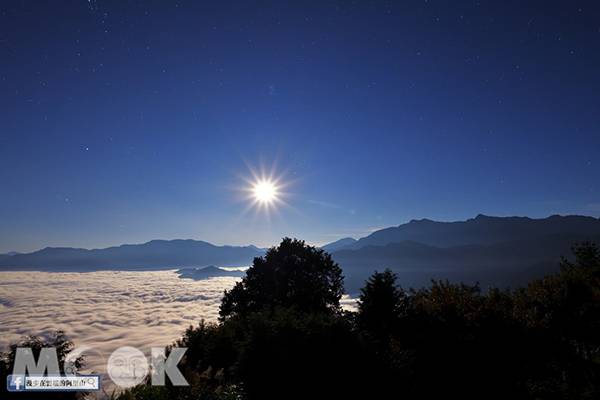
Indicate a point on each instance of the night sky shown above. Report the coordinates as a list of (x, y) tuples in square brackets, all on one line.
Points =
[(123, 122)]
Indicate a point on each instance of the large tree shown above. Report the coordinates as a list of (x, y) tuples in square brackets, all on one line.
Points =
[(291, 275)]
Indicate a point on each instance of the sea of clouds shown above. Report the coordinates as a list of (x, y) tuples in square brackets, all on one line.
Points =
[(108, 309), (105, 310)]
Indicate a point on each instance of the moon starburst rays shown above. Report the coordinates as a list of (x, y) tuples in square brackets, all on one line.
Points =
[(265, 191)]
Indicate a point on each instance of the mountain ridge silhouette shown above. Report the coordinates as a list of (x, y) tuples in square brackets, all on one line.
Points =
[(482, 229), (485, 249), (155, 254)]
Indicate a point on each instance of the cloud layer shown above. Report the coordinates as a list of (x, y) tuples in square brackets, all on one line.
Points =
[(108, 309)]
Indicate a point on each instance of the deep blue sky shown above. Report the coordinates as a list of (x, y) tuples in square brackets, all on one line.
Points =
[(130, 121)]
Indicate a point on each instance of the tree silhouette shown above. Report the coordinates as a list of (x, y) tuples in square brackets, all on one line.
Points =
[(381, 305), (292, 275)]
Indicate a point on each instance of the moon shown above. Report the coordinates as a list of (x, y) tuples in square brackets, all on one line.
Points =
[(265, 191)]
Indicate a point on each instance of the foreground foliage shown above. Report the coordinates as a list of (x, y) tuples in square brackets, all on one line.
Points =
[(63, 346), (538, 342), (282, 334)]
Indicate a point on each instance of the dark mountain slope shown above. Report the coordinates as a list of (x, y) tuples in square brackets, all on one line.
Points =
[(338, 244), (509, 263), (481, 230)]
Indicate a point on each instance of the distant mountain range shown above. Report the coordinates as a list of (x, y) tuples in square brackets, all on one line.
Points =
[(482, 229), (156, 254), (496, 251)]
